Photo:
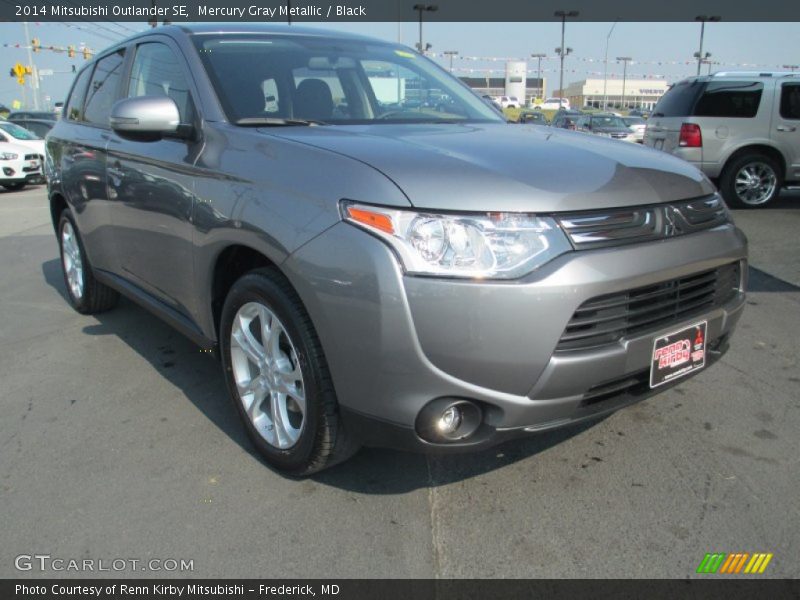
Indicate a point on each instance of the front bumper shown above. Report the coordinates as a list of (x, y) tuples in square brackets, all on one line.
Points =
[(394, 343)]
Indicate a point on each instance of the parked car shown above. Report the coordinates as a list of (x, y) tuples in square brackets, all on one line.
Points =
[(509, 102), (741, 129), (553, 104), (565, 118), (606, 125), (637, 125), (389, 277), (18, 166), (639, 112), (22, 137), (532, 116), (40, 127), (33, 114)]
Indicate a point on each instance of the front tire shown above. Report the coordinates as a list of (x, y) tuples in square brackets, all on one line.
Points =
[(278, 378), (85, 293), (751, 180)]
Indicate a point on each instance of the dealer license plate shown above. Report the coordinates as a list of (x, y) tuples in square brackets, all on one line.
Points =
[(678, 354)]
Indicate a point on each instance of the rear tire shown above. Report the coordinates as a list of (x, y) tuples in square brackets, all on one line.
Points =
[(86, 294), (750, 181), (278, 378)]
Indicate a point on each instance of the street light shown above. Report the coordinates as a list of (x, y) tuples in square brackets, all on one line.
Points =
[(562, 52), (605, 67), (421, 8), (539, 57), (451, 54), (703, 19), (624, 60)]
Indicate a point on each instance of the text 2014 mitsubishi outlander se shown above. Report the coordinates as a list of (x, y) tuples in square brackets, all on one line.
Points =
[(374, 271)]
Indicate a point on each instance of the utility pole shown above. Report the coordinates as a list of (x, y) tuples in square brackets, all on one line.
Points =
[(539, 58), (703, 19), (562, 51), (451, 54), (421, 8), (605, 67), (624, 60), (34, 80)]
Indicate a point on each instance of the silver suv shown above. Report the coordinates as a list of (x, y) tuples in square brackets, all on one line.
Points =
[(740, 129), (377, 272)]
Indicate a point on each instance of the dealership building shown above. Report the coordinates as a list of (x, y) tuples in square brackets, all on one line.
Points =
[(639, 93)]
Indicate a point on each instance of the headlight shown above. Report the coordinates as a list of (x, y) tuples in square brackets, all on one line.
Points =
[(8, 156), (486, 245)]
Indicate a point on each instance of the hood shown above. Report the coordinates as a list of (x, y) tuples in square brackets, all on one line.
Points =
[(18, 148), (505, 167), (30, 146)]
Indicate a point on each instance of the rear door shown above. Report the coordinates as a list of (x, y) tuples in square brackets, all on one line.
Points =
[(786, 127), (78, 149)]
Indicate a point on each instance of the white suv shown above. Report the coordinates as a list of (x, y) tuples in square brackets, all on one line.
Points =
[(740, 129), (18, 166), (554, 104)]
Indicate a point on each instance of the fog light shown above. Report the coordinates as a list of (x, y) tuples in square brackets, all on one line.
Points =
[(450, 420)]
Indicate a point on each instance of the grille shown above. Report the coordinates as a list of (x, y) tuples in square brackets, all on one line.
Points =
[(614, 227), (607, 319)]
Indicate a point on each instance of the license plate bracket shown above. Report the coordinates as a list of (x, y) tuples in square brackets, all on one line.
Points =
[(678, 354)]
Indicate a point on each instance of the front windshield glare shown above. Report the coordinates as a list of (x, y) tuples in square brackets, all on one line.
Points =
[(333, 81)]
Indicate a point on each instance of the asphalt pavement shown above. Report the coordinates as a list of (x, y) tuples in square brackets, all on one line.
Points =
[(117, 442)]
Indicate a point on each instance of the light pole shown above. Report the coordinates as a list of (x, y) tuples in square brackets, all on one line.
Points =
[(562, 51), (451, 54), (605, 67), (539, 57), (421, 8), (703, 19), (624, 60)]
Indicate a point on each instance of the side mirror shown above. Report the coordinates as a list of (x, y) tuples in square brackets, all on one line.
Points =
[(145, 115)]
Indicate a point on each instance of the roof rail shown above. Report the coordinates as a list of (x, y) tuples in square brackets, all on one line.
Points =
[(755, 74)]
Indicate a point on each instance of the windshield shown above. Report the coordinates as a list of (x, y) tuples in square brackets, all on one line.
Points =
[(609, 121), (18, 132), (333, 81)]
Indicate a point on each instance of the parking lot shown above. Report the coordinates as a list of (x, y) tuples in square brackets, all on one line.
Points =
[(117, 441)]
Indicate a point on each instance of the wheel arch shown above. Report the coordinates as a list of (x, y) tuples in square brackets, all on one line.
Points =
[(58, 203), (760, 148)]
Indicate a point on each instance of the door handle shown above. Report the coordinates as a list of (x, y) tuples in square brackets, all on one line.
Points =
[(787, 128)]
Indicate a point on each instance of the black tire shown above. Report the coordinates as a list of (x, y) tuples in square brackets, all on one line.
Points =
[(96, 297), (16, 186), (727, 182), (323, 441)]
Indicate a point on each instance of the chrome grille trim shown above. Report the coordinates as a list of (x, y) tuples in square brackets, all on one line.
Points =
[(618, 226)]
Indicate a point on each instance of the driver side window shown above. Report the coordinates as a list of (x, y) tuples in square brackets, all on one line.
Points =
[(158, 72)]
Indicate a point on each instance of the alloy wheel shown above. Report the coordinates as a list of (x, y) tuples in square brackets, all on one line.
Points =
[(755, 183), (71, 258), (268, 377)]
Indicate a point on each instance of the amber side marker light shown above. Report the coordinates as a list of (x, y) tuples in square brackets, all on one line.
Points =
[(372, 219)]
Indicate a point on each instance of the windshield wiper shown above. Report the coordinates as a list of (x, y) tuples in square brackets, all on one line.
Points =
[(275, 122)]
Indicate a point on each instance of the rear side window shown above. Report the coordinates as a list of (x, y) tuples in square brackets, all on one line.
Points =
[(678, 100), (735, 99), (74, 109), (790, 101), (103, 89)]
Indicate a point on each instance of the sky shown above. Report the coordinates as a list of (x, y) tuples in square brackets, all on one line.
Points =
[(769, 45)]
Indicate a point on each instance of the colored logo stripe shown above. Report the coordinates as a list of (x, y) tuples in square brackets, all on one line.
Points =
[(734, 563)]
